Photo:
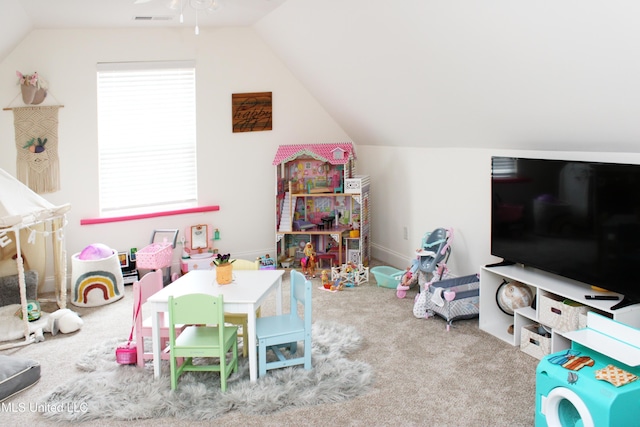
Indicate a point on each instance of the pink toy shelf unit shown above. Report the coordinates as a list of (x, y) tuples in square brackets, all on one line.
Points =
[(319, 199)]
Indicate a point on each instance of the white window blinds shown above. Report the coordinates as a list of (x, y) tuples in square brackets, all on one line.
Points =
[(504, 167), (146, 137)]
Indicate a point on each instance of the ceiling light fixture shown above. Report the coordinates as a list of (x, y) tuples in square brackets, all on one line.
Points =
[(198, 6)]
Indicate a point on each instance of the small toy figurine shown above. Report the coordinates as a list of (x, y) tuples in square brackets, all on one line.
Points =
[(309, 261), (324, 276), (338, 285)]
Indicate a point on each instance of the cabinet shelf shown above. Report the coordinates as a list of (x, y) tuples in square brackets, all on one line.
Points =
[(495, 322)]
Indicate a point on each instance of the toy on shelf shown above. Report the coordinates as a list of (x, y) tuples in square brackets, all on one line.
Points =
[(308, 261)]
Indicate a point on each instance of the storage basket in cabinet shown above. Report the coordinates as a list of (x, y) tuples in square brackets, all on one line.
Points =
[(559, 313), (154, 256), (534, 344)]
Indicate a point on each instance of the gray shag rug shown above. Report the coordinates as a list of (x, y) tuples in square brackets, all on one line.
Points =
[(112, 391)]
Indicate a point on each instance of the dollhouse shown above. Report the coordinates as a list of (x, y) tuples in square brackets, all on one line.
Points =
[(320, 199)]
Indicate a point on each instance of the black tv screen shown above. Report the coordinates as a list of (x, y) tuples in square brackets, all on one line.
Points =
[(579, 220)]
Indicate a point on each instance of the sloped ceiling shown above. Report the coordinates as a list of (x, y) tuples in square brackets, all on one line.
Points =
[(546, 75)]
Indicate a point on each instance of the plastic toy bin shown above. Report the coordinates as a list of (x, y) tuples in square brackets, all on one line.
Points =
[(154, 256), (387, 277)]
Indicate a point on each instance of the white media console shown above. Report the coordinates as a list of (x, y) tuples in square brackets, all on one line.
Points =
[(544, 285)]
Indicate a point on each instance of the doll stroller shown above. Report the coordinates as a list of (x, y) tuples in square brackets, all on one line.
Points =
[(435, 249)]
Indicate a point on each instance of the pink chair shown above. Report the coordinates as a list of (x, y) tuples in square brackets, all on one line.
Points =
[(142, 289)]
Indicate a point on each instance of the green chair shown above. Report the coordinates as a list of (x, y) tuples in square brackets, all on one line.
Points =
[(241, 319), (276, 332), (207, 337)]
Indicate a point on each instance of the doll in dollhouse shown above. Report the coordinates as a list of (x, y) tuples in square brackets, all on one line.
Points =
[(309, 260)]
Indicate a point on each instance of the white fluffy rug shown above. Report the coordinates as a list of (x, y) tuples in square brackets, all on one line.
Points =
[(113, 391)]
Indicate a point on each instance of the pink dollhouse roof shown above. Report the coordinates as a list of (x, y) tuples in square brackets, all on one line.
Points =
[(337, 153)]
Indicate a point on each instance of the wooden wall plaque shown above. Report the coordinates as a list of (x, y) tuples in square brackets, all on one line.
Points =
[(251, 111)]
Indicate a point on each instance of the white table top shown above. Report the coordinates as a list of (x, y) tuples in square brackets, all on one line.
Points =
[(247, 286)]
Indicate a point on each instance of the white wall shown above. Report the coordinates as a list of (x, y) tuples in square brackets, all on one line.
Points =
[(424, 189), (420, 188), (234, 170)]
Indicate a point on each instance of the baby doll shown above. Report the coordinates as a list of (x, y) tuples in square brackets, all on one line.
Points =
[(404, 285)]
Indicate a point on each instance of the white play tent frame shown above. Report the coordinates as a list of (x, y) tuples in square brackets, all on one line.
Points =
[(18, 219)]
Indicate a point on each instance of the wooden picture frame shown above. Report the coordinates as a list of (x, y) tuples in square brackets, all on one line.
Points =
[(251, 112)]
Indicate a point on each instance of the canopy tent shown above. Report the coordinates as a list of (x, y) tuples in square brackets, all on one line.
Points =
[(25, 214)]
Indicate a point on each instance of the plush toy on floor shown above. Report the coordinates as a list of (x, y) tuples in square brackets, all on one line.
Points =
[(11, 327)]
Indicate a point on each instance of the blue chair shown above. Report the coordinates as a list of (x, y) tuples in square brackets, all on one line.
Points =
[(207, 336), (285, 330)]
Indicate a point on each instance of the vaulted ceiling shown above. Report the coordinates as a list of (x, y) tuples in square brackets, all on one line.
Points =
[(559, 75)]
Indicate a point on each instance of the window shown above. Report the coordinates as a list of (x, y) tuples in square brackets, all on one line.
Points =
[(146, 137), (504, 167)]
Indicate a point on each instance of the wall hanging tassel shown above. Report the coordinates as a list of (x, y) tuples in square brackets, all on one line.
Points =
[(36, 130)]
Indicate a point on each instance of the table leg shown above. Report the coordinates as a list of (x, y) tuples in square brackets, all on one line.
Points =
[(279, 296), (155, 342), (253, 351)]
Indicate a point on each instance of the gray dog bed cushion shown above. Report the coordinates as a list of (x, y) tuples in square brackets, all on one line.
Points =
[(16, 375)]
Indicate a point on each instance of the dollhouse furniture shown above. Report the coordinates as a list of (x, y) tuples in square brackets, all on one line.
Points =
[(350, 274), (285, 330), (321, 257), (320, 199)]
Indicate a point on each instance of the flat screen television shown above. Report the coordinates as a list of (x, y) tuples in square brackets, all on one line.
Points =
[(575, 219)]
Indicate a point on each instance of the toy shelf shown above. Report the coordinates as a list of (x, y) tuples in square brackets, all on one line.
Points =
[(544, 286)]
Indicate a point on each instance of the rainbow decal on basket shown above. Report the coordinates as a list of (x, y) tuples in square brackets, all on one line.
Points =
[(102, 280)]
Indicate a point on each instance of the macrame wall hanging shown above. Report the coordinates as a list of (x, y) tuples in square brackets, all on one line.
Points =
[(36, 130)]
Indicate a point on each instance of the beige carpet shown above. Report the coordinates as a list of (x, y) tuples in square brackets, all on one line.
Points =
[(425, 375)]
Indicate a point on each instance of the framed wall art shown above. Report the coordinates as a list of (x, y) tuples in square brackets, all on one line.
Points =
[(251, 112)]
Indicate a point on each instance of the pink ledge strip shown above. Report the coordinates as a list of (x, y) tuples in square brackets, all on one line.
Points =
[(90, 221)]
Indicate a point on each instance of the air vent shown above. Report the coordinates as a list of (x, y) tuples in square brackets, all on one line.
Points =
[(153, 18)]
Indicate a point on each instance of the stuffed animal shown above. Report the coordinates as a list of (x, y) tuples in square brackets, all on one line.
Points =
[(12, 328), (63, 320)]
